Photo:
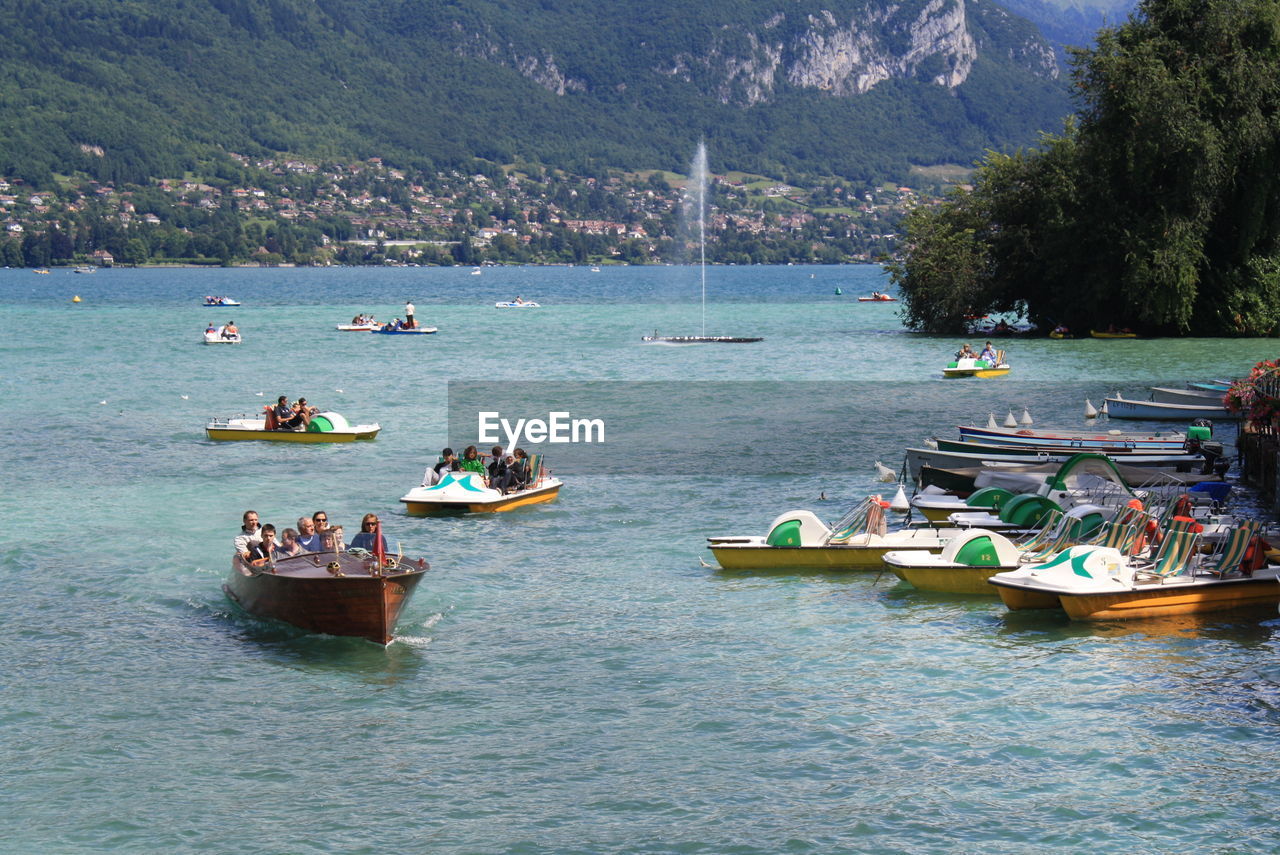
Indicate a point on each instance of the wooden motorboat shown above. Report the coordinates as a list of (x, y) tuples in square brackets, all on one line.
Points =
[(336, 594), (324, 427), (1124, 408), (465, 492), (1085, 440)]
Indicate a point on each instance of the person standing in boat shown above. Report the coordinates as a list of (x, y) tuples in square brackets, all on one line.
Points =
[(408, 315), (250, 534)]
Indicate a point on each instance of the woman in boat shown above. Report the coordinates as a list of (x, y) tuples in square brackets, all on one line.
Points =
[(518, 466), (471, 461), (369, 538)]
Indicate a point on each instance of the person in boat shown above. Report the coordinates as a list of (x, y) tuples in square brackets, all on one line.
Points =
[(263, 552), (965, 352), (409, 322), (369, 538), (519, 301), (331, 539), (989, 354), (288, 544), (286, 417), (250, 534), (433, 474), (499, 477), (471, 461), (1002, 328), (308, 540), (518, 466), (210, 329), (230, 330), (1061, 329), (305, 410)]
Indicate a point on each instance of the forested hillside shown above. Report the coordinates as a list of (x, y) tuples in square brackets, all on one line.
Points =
[(861, 89)]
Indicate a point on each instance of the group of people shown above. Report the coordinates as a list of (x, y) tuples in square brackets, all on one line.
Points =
[(988, 353), (227, 330), (363, 321), (218, 301), (504, 472), (295, 416), (257, 544)]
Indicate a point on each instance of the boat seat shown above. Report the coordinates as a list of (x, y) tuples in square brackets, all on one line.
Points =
[(271, 423)]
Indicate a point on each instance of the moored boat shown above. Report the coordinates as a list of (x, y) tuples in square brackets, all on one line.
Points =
[(324, 427), (917, 458), (1104, 584), (799, 540), (1124, 408), (1166, 395), (332, 593), (465, 492), (1085, 440)]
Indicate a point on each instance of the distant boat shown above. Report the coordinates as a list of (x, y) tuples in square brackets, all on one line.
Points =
[(517, 304), (219, 302), (1113, 334), (595, 269), (41, 270), (877, 297), (475, 271), (85, 269)]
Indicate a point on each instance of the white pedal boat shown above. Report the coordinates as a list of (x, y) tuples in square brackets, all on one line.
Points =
[(511, 304), (324, 427), (465, 492), (219, 338)]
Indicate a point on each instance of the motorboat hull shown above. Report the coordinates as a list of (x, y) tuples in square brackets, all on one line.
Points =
[(417, 331), (453, 503), (304, 593), (1165, 395), (920, 457)]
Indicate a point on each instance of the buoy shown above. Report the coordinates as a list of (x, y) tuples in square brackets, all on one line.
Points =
[(1090, 411), (75, 299), (838, 292), (900, 503), (1026, 417), (1010, 421), (885, 474), (930, 442), (1103, 411), (991, 421)]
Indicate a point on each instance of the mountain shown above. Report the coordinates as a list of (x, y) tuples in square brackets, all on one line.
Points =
[(863, 89), (1071, 22)]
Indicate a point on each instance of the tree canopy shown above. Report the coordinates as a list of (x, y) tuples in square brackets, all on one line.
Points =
[(1157, 208)]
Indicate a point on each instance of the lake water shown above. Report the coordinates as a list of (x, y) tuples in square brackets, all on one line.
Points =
[(569, 677)]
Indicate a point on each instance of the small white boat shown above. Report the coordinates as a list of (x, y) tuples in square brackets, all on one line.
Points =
[(217, 337), (878, 297), (1165, 395), (369, 327), (517, 304), (465, 492), (84, 268), (219, 302), (475, 271), (1123, 408), (1084, 440)]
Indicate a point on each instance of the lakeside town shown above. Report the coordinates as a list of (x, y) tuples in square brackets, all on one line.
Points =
[(295, 212)]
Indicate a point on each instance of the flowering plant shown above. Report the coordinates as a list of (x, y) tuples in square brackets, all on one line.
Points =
[(1257, 396)]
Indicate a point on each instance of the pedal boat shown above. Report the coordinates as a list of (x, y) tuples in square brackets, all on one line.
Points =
[(219, 338), (1097, 583), (324, 427), (358, 327), (414, 331), (963, 566), (511, 304), (798, 540), (336, 594), (969, 367), (465, 492)]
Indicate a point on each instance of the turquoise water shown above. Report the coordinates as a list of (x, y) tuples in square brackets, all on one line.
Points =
[(569, 678)]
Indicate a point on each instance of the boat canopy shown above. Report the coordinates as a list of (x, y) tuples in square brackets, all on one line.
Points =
[(1088, 473)]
